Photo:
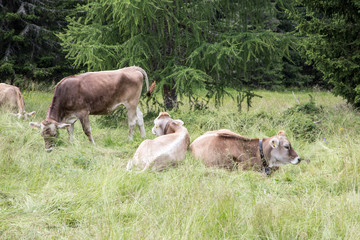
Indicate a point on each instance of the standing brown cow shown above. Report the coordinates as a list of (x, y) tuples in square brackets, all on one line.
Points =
[(11, 97), (94, 93), (223, 148)]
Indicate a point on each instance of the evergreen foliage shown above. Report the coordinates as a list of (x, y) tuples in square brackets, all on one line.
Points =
[(29, 50), (332, 42), (184, 45)]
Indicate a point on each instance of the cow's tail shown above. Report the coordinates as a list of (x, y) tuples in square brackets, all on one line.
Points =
[(150, 90)]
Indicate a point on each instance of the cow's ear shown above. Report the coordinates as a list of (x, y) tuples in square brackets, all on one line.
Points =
[(274, 142), (163, 114), (30, 114), (63, 125), (34, 124), (178, 122), (281, 133)]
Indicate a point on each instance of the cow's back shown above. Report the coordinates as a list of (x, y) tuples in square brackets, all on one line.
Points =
[(97, 92), (162, 152), (9, 96), (214, 150), (223, 148)]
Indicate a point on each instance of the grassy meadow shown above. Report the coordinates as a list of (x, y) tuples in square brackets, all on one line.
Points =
[(80, 191)]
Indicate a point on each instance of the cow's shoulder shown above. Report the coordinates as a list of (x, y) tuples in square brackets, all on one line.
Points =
[(65, 79), (225, 133), (5, 86)]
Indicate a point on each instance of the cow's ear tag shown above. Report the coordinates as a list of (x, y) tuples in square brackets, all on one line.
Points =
[(274, 142)]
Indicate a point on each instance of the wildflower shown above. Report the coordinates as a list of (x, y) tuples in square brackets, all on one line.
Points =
[(341, 129)]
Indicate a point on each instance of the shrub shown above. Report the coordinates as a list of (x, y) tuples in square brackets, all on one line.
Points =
[(301, 120)]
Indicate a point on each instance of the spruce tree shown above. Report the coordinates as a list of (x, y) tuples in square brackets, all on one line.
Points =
[(184, 45), (29, 49), (330, 31)]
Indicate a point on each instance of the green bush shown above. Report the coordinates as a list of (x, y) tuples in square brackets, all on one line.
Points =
[(309, 108), (6, 69), (302, 120), (303, 127)]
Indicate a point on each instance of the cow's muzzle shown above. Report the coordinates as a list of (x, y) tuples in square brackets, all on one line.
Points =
[(49, 144), (49, 149), (296, 160)]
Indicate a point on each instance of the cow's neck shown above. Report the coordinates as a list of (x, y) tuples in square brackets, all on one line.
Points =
[(181, 132), (166, 128), (54, 110), (266, 153), (171, 127), (264, 161)]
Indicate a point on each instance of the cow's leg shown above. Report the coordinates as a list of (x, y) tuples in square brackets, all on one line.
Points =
[(140, 122), (85, 123), (70, 131), (131, 120)]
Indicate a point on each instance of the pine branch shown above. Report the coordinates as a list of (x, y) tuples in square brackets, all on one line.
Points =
[(7, 53), (33, 28)]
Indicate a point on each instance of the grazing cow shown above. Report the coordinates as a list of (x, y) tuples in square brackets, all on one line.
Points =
[(168, 149), (223, 148), (93, 93), (11, 98)]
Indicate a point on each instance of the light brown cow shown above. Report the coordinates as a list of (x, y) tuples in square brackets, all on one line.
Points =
[(223, 148), (94, 93), (11, 98), (168, 149)]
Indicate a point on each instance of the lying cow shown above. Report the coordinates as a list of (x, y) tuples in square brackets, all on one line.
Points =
[(226, 149), (93, 93), (168, 149), (11, 98)]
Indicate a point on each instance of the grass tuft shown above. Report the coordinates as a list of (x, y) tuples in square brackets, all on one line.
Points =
[(81, 191)]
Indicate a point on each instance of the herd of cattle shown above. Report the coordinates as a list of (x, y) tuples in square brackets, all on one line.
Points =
[(99, 93)]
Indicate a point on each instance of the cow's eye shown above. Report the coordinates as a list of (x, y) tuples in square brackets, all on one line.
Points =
[(287, 147)]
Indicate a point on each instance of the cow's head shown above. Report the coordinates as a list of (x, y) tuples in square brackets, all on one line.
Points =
[(161, 123), (24, 115), (49, 131), (281, 151)]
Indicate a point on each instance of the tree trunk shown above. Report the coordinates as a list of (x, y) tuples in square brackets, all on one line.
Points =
[(170, 96)]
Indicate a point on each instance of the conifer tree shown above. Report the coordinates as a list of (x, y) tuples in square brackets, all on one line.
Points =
[(184, 45), (331, 42), (29, 49)]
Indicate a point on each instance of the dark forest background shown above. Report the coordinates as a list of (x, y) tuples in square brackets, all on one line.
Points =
[(184, 45)]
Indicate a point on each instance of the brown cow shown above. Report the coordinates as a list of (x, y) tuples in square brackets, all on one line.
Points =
[(168, 149), (11, 98), (94, 93), (223, 148)]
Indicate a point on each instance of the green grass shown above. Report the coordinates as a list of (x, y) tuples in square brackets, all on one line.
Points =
[(80, 191)]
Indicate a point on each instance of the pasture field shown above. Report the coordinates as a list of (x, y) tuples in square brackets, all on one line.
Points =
[(80, 191)]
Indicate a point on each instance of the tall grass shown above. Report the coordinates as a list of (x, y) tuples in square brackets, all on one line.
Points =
[(80, 191)]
